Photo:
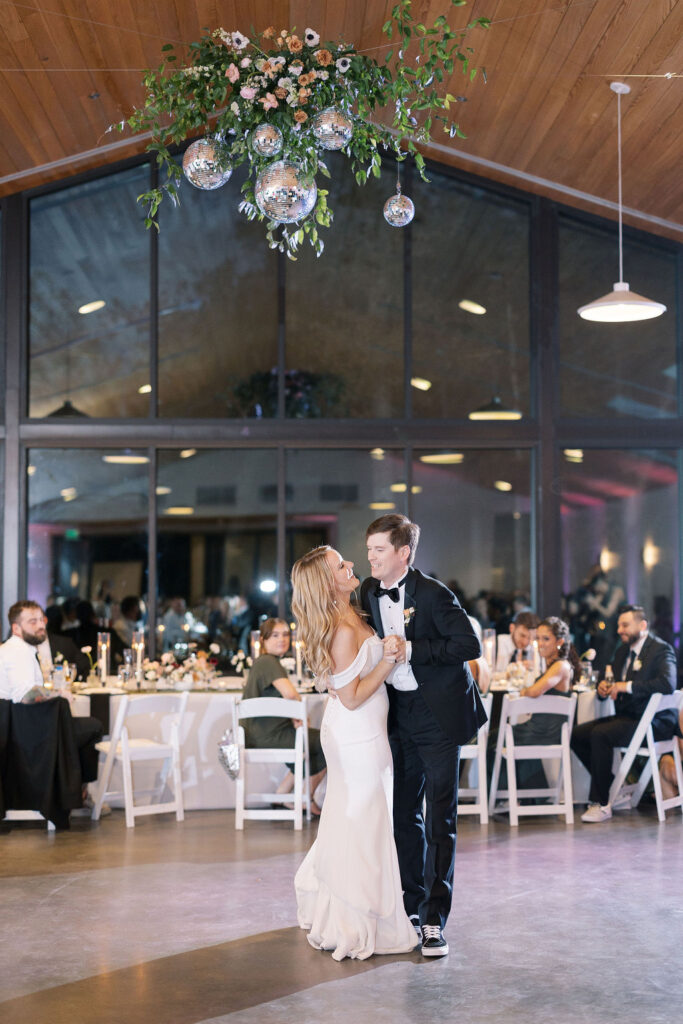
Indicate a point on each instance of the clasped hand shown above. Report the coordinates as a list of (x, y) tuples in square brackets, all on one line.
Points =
[(610, 689), (394, 648)]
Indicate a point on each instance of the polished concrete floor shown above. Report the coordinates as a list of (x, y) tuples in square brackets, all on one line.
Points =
[(185, 923)]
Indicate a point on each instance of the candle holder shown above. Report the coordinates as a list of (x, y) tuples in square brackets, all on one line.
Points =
[(299, 654), (489, 647), (103, 656), (138, 649), (255, 643)]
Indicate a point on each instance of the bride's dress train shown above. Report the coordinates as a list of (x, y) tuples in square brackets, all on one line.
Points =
[(348, 888)]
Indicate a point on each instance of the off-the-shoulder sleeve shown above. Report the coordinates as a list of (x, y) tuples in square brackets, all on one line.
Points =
[(341, 679)]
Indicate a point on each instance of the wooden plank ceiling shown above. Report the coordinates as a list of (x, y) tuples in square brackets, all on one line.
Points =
[(545, 121)]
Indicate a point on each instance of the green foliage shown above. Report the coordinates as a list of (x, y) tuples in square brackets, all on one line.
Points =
[(232, 84)]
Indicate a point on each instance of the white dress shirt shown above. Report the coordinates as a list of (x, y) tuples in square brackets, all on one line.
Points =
[(635, 648), (393, 622), (19, 669)]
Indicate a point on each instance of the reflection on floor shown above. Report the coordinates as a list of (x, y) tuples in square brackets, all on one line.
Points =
[(194, 923)]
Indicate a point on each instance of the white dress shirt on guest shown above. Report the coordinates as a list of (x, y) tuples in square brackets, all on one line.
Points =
[(19, 669), (393, 622)]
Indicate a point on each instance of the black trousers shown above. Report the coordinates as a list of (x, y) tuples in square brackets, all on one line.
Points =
[(425, 768), (87, 732), (594, 743)]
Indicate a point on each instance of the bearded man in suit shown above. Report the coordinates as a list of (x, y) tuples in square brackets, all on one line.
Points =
[(642, 665), (434, 707)]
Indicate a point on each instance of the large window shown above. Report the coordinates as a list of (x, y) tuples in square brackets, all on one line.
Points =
[(470, 274), (87, 526), (620, 536), (90, 299), (626, 369)]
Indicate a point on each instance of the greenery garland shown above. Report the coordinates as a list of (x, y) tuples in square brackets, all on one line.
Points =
[(232, 83)]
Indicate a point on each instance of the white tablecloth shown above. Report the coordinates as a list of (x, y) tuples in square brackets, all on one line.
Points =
[(208, 715)]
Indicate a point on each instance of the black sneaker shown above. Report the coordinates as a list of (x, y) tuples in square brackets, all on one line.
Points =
[(415, 921), (433, 942)]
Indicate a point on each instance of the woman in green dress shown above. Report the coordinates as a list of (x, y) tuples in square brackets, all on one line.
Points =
[(267, 678)]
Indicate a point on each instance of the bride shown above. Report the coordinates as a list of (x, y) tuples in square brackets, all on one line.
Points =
[(348, 888)]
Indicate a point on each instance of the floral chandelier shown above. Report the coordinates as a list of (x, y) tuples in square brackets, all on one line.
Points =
[(277, 102)]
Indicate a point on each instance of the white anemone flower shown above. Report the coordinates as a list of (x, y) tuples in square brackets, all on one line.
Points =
[(239, 41), (311, 38), (343, 65)]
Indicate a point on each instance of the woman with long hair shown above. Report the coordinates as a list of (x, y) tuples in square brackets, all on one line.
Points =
[(348, 888)]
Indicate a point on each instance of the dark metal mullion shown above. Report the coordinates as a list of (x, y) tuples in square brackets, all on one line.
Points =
[(152, 526), (154, 306), (281, 333), (15, 286), (408, 477), (678, 292), (281, 529), (407, 303)]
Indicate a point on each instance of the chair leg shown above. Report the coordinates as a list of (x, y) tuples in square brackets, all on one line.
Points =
[(481, 781), (656, 781), (679, 774), (239, 801), (298, 794), (103, 783), (512, 776), (495, 775), (128, 791), (566, 777), (178, 788)]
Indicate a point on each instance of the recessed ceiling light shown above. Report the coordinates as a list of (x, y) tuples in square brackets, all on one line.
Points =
[(573, 454), (416, 489), (91, 307), (163, 490), (30, 470), (472, 307), (495, 410), (381, 506), (267, 586), (126, 460), (502, 485), (179, 510), (421, 383), (187, 453), (377, 453), (69, 493), (443, 458), (399, 488), (516, 515), (144, 389)]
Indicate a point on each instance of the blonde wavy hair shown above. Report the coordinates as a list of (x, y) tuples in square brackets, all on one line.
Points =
[(315, 610)]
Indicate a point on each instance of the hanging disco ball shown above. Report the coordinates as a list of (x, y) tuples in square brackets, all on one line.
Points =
[(283, 194), (332, 128), (266, 140), (398, 210), (202, 165)]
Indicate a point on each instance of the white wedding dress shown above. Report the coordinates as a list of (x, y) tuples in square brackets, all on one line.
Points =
[(348, 888)]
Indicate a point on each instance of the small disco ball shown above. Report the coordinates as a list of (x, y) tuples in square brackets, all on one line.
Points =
[(332, 128), (266, 140), (282, 194), (202, 166), (398, 210)]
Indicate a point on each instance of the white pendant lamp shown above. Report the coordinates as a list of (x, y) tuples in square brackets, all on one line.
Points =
[(621, 305)]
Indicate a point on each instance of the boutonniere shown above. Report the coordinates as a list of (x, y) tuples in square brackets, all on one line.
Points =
[(407, 615), (637, 665)]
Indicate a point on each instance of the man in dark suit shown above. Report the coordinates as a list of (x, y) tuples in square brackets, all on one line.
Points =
[(642, 665), (434, 708)]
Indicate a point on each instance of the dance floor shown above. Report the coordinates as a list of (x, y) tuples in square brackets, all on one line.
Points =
[(187, 923)]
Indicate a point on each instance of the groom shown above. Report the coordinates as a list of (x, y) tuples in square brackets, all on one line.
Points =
[(434, 707)]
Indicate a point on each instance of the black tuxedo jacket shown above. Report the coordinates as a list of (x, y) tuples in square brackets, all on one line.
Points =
[(64, 645), (657, 674), (443, 641)]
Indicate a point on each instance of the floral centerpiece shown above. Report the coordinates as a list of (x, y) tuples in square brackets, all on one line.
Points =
[(197, 670), (274, 99), (241, 662)]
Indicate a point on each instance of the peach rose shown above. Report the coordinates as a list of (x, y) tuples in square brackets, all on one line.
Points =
[(323, 57), (269, 32), (301, 116), (281, 93), (295, 45)]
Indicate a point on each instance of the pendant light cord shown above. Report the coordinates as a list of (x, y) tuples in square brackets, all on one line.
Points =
[(621, 242)]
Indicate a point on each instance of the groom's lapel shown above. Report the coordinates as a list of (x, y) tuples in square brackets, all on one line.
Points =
[(375, 614), (409, 602)]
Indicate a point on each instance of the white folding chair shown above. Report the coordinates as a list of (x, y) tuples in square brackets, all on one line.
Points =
[(476, 753), (560, 794), (274, 707), (128, 749), (645, 745)]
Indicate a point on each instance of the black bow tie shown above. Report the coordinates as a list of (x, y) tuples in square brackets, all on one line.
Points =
[(393, 593)]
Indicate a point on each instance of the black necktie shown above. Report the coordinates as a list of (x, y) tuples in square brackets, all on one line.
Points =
[(393, 593), (629, 665)]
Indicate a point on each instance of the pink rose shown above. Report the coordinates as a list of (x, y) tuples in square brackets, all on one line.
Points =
[(232, 73), (248, 92), (245, 62), (269, 102)]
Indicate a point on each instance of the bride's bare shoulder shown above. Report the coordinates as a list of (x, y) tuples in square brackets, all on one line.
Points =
[(345, 644)]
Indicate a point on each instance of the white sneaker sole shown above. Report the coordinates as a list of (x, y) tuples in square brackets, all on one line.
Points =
[(435, 951)]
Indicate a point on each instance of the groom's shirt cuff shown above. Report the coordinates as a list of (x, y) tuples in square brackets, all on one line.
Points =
[(409, 651)]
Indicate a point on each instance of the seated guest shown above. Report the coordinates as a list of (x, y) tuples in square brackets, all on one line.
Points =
[(667, 766), (21, 679), (562, 667), (642, 665), (176, 622), (59, 644), (517, 646), (128, 620), (267, 678)]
